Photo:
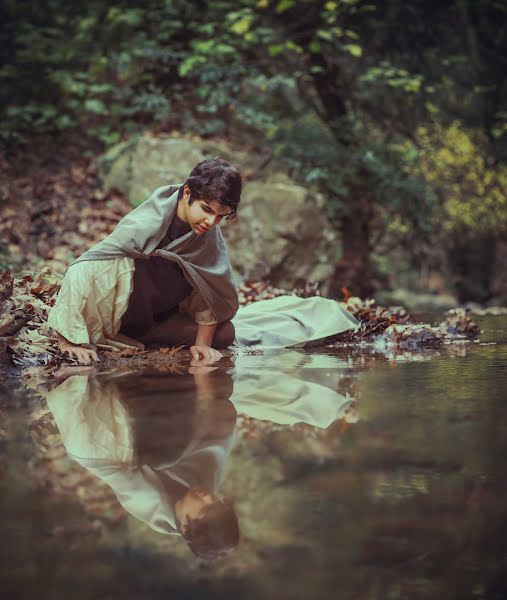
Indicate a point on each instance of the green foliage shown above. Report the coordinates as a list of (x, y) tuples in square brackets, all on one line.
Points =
[(102, 69), (472, 188), (373, 171), (337, 88)]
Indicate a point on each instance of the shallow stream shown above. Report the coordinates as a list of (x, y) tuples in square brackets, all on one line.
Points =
[(353, 475)]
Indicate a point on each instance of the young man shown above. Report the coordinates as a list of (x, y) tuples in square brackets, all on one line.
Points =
[(162, 276)]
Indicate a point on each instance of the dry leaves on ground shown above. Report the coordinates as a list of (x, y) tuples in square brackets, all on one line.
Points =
[(25, 340)]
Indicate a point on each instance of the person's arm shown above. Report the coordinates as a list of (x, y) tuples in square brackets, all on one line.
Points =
[(203, 341), (195, 306)]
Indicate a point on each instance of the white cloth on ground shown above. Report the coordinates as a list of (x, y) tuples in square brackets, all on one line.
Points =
[(290, 321), (94, 296)]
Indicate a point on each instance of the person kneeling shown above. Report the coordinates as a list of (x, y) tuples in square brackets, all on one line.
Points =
[(162, 277)]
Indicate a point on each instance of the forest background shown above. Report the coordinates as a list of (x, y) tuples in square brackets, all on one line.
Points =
[(395, 111)]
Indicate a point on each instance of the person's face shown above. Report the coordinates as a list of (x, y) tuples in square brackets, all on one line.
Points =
[(193, 503), (202, 215)]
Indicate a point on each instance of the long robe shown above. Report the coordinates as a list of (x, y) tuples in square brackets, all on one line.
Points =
[(97, 286)]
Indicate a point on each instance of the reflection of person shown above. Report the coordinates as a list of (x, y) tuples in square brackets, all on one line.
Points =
[(163, 276), (161, 443)]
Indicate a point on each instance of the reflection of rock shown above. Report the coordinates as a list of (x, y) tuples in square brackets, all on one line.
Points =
[(281, 233), (416, 301)]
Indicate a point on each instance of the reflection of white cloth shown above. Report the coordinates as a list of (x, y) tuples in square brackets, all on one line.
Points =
[(96, 432), (286, 394), (290, 321), (92, 421)]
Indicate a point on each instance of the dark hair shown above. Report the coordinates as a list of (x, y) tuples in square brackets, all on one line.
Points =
[(215, 532), (214, 179)]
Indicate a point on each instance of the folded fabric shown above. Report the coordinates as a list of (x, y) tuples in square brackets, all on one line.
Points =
[(290, 321)]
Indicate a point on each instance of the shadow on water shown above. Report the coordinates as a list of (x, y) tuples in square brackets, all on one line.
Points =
[(378, 475)]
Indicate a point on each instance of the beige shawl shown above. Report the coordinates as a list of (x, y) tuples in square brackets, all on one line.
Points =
[(97, 286)]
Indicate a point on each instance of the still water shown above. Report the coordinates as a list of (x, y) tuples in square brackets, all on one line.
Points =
[(326, 474)]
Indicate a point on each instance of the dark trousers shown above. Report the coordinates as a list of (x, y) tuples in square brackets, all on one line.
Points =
[(180, 330)]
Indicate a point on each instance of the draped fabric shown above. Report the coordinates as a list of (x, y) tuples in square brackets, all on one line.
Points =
[(290, 321), (97, 286), (94, 298), (202, 258)]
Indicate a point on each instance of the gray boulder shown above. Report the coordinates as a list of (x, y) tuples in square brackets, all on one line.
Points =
[(281, 235), (143, 163)]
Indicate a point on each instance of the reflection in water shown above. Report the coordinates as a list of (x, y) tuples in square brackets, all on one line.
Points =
[(409, 503), (162, 442), (292, 387)]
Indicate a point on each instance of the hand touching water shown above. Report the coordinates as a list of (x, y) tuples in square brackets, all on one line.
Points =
[(204, 352), (84, 356)]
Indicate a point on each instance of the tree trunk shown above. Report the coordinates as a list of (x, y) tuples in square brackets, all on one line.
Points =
[(471, 261), (354, 270)]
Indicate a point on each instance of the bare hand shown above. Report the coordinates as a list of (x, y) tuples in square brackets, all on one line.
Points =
[(205, 352), (83, 355)]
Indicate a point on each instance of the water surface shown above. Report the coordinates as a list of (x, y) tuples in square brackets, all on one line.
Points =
[(353, 475)]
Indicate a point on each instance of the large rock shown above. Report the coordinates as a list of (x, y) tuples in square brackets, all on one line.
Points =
[(416, 301), (281, 233), (143, 163)]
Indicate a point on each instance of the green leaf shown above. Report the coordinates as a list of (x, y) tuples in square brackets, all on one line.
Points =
[(324, 34), (354, 49), (275, 49), (284, 5), (314, 47), (94, 105), (290, 45), (189, 64), (241, 26)]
